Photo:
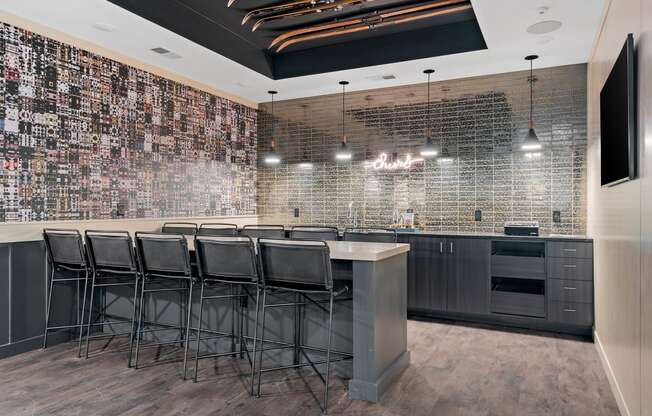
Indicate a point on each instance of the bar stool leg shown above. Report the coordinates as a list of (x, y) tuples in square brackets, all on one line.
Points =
[(328, 352), (133, 321), (201, 310), (47, 312), (141, 312), (253, 360), (90, 314), (81, 326), (262, 345), (185, 355), (233, 309), (241, 301)]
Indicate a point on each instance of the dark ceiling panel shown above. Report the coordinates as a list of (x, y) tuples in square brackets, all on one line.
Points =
[(213, 25)]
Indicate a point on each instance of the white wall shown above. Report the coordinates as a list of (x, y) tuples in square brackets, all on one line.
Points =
[(619, 219)]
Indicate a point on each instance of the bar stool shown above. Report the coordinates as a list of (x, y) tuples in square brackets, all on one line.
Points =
[(185, 228), (65, 251), (302, 268), (113, 264), (218, 229), (370, 235), (163, 259), (266, 231), (228, 262), (309, 232)]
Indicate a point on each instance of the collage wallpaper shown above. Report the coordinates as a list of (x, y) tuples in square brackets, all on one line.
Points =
[(85, 137)]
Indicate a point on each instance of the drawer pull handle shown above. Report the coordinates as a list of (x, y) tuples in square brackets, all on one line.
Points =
[(570, 288), (570, 249), (570, 310), (570, 266)]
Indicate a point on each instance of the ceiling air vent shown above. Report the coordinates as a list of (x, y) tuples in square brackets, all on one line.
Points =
[(166, 52), (381, 77)]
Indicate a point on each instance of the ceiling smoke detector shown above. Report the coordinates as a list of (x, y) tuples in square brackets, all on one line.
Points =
[(544, 27)]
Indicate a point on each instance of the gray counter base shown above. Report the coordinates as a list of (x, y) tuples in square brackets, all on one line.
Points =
[(372, 392)]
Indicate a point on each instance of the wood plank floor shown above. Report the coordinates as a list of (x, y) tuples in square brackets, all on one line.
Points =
[(456, 370)]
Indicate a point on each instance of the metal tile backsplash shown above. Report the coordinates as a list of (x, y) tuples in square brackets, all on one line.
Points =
[(479, 121)]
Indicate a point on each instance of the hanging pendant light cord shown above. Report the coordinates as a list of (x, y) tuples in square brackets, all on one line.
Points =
[(531, 94), (428, 109), (272, 120), (343, 104)]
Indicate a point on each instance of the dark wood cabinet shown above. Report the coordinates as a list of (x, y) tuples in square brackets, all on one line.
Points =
[(426, 273), (468, 275)]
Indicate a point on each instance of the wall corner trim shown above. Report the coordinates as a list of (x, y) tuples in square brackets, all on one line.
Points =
[(26, 24), (615, 388)]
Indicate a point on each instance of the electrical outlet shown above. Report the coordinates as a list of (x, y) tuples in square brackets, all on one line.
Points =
[(296, 213), (556, 216), (478, 215)]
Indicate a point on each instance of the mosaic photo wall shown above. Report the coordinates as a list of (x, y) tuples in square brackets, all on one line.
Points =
[(85, 137)]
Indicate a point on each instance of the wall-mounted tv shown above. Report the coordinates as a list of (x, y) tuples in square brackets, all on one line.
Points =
[(618, 137)]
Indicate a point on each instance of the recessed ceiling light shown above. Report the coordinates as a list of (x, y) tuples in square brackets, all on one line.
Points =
[(546, 26), (104, 27), (160, 51), (166, 53)]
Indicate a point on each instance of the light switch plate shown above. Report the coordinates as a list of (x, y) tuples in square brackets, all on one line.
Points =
[(556, 216), (478, 215)]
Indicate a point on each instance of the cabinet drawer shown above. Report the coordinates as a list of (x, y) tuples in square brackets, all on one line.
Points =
[(570, 268), (570, 249), (522, 304), (571, 313), (580, 291), (518, 266)]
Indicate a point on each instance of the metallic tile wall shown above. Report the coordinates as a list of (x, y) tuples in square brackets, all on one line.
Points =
[(479, 121)]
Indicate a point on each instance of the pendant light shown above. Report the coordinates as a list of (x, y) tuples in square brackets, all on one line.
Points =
[(305, 162), (343, 151), (272, 157), (429, 149), (531, 141)]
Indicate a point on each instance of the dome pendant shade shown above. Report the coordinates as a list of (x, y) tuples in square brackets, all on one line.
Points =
[(343, 152), (429, 149)]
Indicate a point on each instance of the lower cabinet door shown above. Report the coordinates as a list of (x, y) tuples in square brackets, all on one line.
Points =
[(468, 275), (426, 273)]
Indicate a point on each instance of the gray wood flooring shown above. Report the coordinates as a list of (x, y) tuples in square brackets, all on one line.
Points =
[(455, 370)]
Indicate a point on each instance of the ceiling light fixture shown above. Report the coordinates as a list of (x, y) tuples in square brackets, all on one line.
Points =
[(343, 151), (544, 27), (531, 141), (429, 149), (272, 157)]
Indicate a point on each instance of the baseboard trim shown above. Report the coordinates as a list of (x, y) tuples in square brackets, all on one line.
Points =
[(618, 394), (31, 344)]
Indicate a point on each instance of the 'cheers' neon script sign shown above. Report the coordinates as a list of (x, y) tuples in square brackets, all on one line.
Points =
[(382, 163)]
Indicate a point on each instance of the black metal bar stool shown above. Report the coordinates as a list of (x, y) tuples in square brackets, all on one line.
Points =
[(163, 259), (302, 268), (309, 232), (370, 235), (266, 231), (228, 262), (218, 229), (65, 251), (113, 264), (185, 228)]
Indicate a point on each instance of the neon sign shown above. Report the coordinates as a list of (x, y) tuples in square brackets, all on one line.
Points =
[(382, 163)]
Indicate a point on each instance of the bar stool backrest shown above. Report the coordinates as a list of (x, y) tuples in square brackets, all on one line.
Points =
[(291, 263), (163, 255), (370, 235), (306, 232), (218, 229), (264, 231), (186, 228), (228, 259), (110, 251), (65, 248)]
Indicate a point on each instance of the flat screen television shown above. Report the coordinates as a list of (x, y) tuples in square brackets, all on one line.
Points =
[(618, 141)]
